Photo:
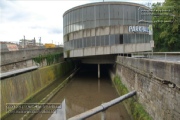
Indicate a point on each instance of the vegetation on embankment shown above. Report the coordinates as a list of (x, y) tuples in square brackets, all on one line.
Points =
[(134, 108), (49, 58)]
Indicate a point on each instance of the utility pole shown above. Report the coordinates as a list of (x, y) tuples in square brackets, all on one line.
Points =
[(24, 41), (39, 41), (34, 42)]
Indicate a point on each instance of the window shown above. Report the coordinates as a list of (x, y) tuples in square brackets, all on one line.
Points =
[(133, 38), (93, 41), (84, 42), (112, 39), (88, 41), (98, 40), (80, 43), (121, 38), (102, 40), (125, 38), (117, 39), (106, 40)]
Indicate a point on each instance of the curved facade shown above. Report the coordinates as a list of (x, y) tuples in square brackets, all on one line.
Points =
[(105, 28)]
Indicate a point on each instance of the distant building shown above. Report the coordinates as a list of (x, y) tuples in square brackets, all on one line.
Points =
[(27, 43), (50, 45), (8, 46), (39, 44)]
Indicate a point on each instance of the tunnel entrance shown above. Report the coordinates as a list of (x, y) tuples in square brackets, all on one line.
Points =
[(93, 70)]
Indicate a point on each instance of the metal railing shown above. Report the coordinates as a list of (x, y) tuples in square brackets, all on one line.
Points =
[(102, 108), (165, 56)]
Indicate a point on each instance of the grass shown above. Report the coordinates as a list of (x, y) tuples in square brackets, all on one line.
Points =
[(134, 108)]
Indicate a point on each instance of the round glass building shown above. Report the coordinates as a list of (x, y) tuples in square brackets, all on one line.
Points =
[(106, 28)]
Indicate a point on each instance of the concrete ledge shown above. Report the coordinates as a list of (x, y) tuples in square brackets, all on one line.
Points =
[(21, 55), (10, 73)]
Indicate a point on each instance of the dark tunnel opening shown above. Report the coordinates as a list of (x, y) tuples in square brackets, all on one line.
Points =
[(91, 70)]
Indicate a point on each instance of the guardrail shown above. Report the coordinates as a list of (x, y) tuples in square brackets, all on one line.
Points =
[(102, 108), (166, 56)]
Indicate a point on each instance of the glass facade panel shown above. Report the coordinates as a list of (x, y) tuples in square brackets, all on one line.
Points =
[(141, 38), (98, 40), (97, 12), (132, 40), (106, 40), (98, 15), (125, 38), (106, 11), (102, 40), (93, 41), (84, 42), (112, 39), (117, 39), (121, 11), (80, 43), (114, 22), (121, 38), (74, 44), (116, 11), (88, 42), (112, 12), (101, 11)]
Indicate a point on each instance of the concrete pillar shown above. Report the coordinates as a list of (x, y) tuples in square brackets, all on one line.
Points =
[(98, 70)]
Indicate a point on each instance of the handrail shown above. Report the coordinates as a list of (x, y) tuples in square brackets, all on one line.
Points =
[(159, 53), (102, 107)]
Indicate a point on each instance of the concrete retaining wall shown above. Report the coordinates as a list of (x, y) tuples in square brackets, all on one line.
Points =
[(13, 60), (20, 55), (157, 84), (19, 88)]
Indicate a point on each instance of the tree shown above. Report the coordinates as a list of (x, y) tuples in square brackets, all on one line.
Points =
[(166, 25)]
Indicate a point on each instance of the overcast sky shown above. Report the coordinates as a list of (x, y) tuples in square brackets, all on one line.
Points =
[(38, 18)]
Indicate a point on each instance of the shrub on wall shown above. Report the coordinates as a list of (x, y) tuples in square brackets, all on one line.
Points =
[(50, 58)]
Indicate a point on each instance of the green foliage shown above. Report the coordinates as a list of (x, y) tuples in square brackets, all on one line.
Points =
[(136, 109), (50, 58), (166, 34), (121, 88), (68, 53)]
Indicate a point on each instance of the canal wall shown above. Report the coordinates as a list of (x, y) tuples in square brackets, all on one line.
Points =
[(157, 84), (23, 58), (20, 88)]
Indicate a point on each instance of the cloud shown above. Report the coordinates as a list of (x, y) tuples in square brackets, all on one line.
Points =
[(55, 31), (35, 19), (11, 11)]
